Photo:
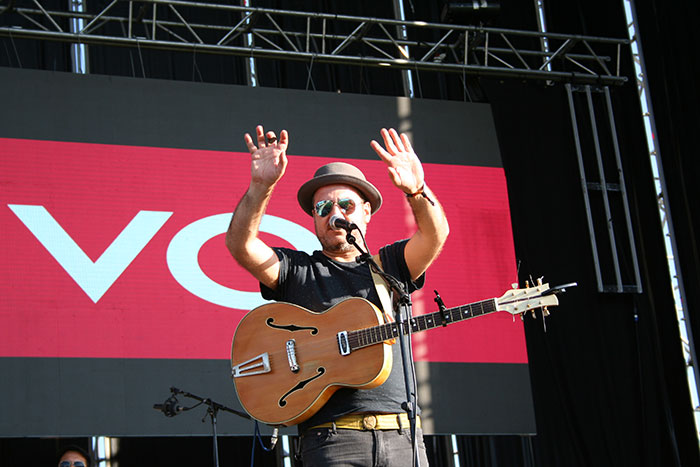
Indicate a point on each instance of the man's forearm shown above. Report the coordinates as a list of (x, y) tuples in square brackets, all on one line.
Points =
[(245, 223), (429, 215), (427, 242)]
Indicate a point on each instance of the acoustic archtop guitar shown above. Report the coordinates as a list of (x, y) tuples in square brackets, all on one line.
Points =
[(287, 361)]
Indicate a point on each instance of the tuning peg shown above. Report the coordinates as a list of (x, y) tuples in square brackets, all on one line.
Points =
[(522, 317), (527, 283), (514, 285), (539, 281), (545, 311), (533, 314)]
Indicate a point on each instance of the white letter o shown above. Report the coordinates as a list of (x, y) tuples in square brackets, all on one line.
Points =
[(184, 250)]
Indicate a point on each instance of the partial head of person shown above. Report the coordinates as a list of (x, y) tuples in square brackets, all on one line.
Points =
[(73, 456), (338, 189)]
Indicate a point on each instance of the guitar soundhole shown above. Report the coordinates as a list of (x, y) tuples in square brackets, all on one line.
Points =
[(300, 385), (291, 327)]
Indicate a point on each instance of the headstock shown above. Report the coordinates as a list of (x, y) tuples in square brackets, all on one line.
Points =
[(518, 301)]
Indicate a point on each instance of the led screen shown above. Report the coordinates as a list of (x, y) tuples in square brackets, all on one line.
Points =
[(116, 194)]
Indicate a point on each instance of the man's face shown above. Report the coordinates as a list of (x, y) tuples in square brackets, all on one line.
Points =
[(334, 241), (72, 457)]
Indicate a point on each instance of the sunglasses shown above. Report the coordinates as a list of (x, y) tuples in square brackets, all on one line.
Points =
[(74, 464), (324, 207)]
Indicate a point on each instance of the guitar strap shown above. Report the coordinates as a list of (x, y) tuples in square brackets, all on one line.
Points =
[(383, 292)]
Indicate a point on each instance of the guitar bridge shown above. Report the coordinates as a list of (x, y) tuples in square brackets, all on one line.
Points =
[(255, 366)]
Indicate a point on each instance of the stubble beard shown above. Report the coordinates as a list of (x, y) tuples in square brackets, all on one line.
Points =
[(336, 247)]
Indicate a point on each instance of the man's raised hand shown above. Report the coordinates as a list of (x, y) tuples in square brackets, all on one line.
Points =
[(402, 162), (269, 157)]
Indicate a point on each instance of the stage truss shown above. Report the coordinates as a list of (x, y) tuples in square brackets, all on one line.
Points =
[(260, 33)]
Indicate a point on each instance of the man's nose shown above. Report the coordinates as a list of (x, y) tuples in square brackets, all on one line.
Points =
[(336, 210)]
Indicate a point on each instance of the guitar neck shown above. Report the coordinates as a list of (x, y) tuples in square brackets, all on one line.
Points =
[(376, 334)]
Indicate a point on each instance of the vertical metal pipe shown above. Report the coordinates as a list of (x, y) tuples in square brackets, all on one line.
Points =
[(604, 189), (623, 191), (250, 65), (405, 74), (584, 187), (78, 52)]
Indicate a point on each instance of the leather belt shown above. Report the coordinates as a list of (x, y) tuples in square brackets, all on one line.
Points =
[(364, 421)]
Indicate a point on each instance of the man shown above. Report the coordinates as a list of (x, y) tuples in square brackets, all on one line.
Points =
[(73, 456), (355, 427)]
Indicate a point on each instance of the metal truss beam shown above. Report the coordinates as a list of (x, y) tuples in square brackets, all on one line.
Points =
[(177, 25)]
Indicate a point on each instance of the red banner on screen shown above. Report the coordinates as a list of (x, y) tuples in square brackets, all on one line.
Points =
[(118, 251)]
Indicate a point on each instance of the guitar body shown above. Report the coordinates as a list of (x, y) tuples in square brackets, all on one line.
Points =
[(287, 362)]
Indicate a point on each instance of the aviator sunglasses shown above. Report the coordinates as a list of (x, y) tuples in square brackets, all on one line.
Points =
[(324, 207)]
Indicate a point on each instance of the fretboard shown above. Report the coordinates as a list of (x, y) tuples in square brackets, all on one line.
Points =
[(376, 334)]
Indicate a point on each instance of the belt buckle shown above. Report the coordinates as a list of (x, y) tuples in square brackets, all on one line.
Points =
[(369, 422)]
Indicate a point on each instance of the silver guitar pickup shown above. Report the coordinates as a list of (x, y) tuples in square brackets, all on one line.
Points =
[(255, 366)]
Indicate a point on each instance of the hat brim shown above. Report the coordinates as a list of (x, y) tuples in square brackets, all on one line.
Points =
[(306, 191)]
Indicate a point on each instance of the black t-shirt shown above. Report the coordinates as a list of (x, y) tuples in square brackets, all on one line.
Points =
[(317, 282)]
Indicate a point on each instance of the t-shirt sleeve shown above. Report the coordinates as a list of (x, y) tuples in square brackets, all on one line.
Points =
[(394, 263), (283, 254)]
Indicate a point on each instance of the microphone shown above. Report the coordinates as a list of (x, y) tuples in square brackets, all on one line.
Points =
[(337, 223), (170, 407)]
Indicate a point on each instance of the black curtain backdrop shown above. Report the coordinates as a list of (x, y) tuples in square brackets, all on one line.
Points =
[(669, 38), (608, 376)]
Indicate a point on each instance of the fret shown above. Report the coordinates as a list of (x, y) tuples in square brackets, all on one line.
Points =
[(383, 332)]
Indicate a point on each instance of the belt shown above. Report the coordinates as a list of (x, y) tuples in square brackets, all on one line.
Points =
[(364, 421)]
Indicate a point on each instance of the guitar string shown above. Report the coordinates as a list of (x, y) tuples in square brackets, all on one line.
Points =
[(369, 336)]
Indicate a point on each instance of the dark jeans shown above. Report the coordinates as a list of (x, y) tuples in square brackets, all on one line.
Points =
[(323, 447)]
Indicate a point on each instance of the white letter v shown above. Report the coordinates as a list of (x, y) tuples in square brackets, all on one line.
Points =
[(94, 278)]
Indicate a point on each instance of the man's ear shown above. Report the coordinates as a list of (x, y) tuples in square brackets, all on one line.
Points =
[(367, 210)]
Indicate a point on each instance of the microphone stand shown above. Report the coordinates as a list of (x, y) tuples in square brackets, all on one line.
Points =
[(212, 410), (403, 319)]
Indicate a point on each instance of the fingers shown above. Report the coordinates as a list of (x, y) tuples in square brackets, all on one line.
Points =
[(284, 140), (266, 139), (261, 136), (389, 141), (383, 155), (406, 143), (396, 140), (249, 143)]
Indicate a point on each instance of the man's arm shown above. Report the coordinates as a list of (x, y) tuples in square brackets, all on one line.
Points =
[(268, 163), (406, 172)]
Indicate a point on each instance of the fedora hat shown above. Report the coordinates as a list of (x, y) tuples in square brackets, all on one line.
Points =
[(339, 173)]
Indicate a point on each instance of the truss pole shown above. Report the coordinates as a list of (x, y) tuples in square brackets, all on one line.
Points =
[(406, 73), (676, 277), (251, 66)]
